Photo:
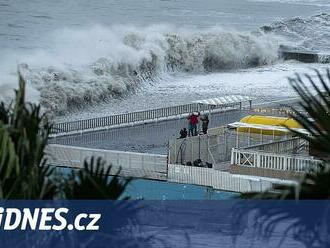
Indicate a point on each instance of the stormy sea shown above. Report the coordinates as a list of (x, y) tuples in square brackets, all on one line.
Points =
[(84, 59)]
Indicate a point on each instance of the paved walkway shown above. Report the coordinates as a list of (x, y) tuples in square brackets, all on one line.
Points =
[(145, 138)]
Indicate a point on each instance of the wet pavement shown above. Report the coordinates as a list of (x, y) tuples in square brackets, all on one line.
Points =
[(144, 138), (151, 137)]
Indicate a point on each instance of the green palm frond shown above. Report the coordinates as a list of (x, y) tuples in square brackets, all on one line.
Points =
[(9, 162), (315, 117), (314, 186), (8, 157), (24, 173), (313, 114), (93, 182), (4, 113)]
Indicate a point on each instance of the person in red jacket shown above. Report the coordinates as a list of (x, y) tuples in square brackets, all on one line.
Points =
[(193, 121)]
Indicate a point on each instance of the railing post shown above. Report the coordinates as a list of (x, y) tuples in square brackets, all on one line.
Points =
[(142, 162), (258, 160), (300, 162), (238, 157), (232, 156)]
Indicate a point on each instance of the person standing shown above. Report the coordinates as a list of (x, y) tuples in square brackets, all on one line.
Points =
[(193, 121), (205, 123)]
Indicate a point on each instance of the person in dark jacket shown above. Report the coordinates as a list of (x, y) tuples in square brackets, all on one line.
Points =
[(183, 133), (205, 123)]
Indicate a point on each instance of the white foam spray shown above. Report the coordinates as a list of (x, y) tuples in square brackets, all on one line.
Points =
[(97, 63)]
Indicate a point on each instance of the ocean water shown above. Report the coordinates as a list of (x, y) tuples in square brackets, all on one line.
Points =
[(83, 59), (93, 58)]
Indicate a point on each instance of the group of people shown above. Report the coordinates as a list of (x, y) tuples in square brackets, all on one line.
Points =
[(193, 120)]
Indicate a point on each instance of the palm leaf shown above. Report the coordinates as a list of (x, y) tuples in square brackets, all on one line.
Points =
[(9, 166), (315, 118), (8, 157), (93, 182), (24, 134)]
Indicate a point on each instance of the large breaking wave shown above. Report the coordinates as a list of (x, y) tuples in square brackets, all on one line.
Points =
[(97, 63)]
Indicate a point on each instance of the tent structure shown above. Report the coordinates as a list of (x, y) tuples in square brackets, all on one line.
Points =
[(264, 129), (222, 102), (265, 132), (225, 100), (269, 121)]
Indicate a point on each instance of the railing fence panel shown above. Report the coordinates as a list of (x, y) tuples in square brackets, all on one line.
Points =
[(273, 161), (151, 166)]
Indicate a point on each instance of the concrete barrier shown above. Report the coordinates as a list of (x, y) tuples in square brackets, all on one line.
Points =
[(306, 57), (221, 180), (138, 165)]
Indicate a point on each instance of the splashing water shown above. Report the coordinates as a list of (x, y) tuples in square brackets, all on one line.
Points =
[(98, 63)]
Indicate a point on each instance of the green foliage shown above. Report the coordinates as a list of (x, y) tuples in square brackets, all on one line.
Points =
[(8, 159), (315, 117), (24, 133), (24, 137), (93, 182), (313, 114)]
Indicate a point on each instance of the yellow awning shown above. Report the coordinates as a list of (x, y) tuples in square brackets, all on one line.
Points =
[(268, 125)]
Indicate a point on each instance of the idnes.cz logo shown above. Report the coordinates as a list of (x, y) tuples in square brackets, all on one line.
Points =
[(46, 219)]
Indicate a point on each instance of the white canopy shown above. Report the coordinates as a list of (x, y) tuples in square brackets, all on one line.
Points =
[(225, 100)]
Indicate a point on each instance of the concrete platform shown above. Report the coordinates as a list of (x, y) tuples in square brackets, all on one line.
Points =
[(145, 138)]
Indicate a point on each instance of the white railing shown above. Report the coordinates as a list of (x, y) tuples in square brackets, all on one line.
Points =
[(137, 117), (273, 161), (142, 165), (221, 180)]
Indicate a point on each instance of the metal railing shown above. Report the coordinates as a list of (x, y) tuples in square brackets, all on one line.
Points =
[(216, 146), (290, 146), (284, 162), (136, 117)]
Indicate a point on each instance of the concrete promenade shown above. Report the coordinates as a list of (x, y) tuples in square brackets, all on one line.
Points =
[(150, 137), (144, 138), (139, 151)]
